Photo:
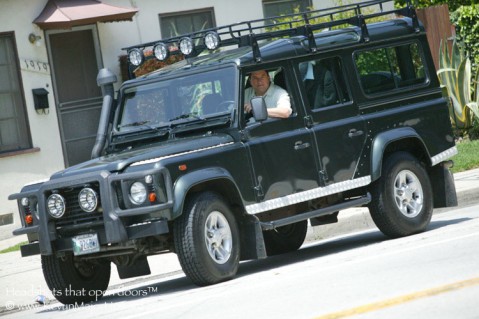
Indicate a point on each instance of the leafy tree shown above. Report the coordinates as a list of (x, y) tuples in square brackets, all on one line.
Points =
[(452, 4)]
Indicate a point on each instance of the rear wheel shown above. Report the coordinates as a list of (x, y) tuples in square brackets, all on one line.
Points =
[(286, 238), (72, 280), (402, 198), (207, 240)]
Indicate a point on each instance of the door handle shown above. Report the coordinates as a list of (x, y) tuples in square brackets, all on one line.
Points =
[(353, 132), (299, 145)]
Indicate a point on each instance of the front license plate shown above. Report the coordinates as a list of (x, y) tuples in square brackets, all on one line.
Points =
[(85, 244)]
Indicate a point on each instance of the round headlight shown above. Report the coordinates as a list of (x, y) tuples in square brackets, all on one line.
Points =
[(212, 40), (56, 205), (88, 199), (137, 193), (161, 51), (136, 57), (186, 45)]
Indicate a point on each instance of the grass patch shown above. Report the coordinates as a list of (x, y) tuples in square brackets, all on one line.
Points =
[(468, 156), (13, 248)]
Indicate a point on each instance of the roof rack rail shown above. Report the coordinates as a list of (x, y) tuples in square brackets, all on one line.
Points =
[(248, 33)]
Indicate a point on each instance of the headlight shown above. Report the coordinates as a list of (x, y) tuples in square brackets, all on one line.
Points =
[(56, 205), (137, 193), (88, 199)]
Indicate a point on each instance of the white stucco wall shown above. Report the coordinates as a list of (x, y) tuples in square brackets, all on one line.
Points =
[(15, 171)]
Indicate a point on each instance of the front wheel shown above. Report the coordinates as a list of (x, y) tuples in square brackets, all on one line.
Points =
[(402, 198), (74, 281), (206, 240)]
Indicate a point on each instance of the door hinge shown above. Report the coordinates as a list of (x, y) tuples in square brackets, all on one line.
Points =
[(308, 121), (259, 191), (323, 177)]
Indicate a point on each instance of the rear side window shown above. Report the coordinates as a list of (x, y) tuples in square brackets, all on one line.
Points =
[(324, 82), (390, 68)]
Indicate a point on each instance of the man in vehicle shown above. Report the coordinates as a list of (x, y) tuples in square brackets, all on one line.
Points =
[(276, 98)]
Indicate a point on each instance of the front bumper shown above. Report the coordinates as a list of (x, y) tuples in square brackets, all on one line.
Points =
[(110, 222)]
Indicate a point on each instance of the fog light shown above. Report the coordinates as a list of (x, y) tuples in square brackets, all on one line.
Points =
[(56, 205), (88, 199), (138, 193), (186, 45), (161, 51), (136, 57), (25, 202), (212, 40)]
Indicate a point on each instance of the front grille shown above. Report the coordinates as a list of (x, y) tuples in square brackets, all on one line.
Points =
[(74, 215)]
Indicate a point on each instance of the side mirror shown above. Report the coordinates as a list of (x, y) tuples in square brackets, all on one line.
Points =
[(258, 106)]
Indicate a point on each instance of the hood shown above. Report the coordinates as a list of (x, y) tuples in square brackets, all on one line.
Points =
[(119, 161)]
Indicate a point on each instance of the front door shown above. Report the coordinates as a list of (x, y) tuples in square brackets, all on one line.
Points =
[(75, 61)]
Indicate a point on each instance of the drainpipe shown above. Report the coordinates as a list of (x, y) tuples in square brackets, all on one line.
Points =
[(105, 80)]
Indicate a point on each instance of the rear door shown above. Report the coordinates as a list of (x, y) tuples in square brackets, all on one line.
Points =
[(339, 130)]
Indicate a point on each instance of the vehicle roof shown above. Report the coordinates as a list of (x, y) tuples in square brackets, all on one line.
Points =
[(290, 47)]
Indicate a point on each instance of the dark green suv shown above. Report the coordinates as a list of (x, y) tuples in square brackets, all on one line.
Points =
[(181, 166)]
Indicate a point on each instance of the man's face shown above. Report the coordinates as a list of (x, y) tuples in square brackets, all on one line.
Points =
[(260, 82)]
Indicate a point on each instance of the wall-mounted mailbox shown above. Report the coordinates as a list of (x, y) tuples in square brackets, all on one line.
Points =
[(40, 100)]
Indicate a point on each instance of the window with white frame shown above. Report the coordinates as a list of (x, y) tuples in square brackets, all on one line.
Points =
[(14, 130), (174, 24), (272, 8)]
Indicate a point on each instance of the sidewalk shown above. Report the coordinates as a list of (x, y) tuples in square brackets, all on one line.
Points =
[(22, 278)]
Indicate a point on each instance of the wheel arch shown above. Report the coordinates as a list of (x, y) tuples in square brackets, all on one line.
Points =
[(219, 180), (401, 139)]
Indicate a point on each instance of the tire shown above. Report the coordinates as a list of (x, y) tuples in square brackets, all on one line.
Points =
[(402, 200), (73, 281), (207, 240), (285, 239)]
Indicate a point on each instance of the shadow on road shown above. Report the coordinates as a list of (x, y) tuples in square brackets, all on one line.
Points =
[(313, 250)]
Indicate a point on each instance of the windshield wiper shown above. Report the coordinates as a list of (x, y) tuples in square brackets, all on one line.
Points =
[(187, 116), (139, 123)]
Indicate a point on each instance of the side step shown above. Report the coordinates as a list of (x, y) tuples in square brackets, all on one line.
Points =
[(316, 213)]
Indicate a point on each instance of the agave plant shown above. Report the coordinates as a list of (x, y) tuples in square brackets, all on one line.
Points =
[(455, 76)]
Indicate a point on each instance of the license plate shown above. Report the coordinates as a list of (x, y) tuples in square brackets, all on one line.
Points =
[(85, 244)]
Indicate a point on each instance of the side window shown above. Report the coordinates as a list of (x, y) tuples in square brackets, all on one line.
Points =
[(14, 130), (386, 69), (324, 82), (271, 84)]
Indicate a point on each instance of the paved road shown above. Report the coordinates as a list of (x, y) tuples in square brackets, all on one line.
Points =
[(362, 275)]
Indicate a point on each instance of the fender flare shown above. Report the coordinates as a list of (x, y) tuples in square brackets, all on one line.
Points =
[(381, 142), (184, 184)]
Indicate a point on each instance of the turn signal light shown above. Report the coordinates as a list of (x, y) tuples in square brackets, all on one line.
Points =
[(28, 219), (152, 197)]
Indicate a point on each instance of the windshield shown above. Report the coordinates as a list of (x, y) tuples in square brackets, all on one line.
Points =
[(197, 96)]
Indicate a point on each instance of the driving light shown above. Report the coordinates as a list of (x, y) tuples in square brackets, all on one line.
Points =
[(212, 40), (56, 205), (186, 45), (138, 193), (136, 56), (161, 51), (25, 202), (88, 199)]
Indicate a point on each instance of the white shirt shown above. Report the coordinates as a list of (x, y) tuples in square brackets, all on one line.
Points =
[(275, 96)]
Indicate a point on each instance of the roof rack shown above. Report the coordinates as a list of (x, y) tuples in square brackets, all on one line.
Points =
[(248, 33)]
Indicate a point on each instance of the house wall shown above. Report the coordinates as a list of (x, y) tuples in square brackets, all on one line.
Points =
[(17, 170)]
